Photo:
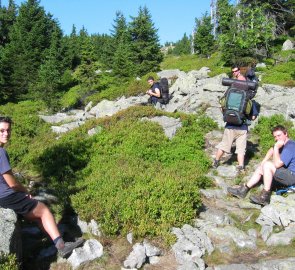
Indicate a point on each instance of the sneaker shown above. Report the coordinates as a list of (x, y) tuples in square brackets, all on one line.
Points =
[(69, 247), (215, 163)]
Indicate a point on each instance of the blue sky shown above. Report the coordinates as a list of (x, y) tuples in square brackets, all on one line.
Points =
[(172, 18)]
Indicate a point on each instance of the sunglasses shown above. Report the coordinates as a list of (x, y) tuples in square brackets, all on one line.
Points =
[(235, 70)]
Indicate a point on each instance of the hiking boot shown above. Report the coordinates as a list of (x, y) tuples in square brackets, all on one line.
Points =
[(215, 163), (263, 198), (240, 191), (240, 170), (69, 247)]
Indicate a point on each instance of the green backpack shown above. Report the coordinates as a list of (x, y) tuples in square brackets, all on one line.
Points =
[(236, 106)]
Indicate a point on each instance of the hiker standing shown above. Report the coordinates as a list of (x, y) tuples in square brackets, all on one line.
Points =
[(279, 171), (13, 195), (154, 91), (237, 133), (237, 74)]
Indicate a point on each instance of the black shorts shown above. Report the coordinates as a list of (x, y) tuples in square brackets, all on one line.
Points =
[(19, 202), (284, 177)]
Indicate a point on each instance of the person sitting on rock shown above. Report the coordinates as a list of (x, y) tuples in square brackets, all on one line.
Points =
[(154, 91), (13, 195), (280, 170)]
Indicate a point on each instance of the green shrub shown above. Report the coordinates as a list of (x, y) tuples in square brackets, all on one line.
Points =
[(8, 262), (71, 98), (281, 74), (138, 180), (263, 130), (27, 125), (193, 62)]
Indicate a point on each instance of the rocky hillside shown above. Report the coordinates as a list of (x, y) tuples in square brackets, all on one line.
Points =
[(228, 233)]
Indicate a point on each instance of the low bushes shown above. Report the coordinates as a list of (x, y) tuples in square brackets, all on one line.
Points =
[(263, 130), (137, 180), (8, 262)]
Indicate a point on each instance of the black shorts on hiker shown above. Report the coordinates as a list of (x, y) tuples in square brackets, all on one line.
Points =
[(19, 202), (284, 177)]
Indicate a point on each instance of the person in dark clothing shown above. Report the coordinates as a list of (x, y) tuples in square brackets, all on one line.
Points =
[(154, 91), (13, 195)]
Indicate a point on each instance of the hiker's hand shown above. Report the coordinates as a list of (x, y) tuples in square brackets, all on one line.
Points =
[(279, 144)]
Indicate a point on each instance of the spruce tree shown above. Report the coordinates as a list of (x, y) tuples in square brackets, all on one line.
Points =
[(85, 73), (104, 49), (122, 63), (226, 32), (24, 54), (47, 85), (182, 46), (145, 43), (203, 38), (7, 18), (71, 49)]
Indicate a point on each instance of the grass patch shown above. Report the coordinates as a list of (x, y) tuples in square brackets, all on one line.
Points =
[(282, 74), (193, 62)]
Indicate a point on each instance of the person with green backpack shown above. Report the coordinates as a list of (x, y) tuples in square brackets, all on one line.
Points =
[(236, 127)]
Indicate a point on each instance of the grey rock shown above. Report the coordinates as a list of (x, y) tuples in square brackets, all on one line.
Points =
[(260, 65), (91, 250), (282, 238), (94, 228), (191, 266), (10, 233), (191, 244), (288, 45), (136, 258), (266, 231), (154, 260), (213, 193), (171, 73), (151, 250), (217, 217), (130, 237), (169, 124), (252, 233), (82, 225), (230, 234), (284, 264), (227, 171)]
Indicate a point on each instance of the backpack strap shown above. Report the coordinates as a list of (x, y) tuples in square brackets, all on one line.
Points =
[(285, 190)]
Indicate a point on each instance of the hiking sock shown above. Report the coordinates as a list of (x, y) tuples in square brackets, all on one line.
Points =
[(59, 242)]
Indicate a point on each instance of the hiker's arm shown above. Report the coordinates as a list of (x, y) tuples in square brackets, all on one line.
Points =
[(157, 93), (255, 111), (13, 183), (268, 155), (276, 154)]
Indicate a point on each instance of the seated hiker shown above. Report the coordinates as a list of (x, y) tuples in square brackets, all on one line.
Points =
[(154, 91), (13, 195), (279, 170)]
